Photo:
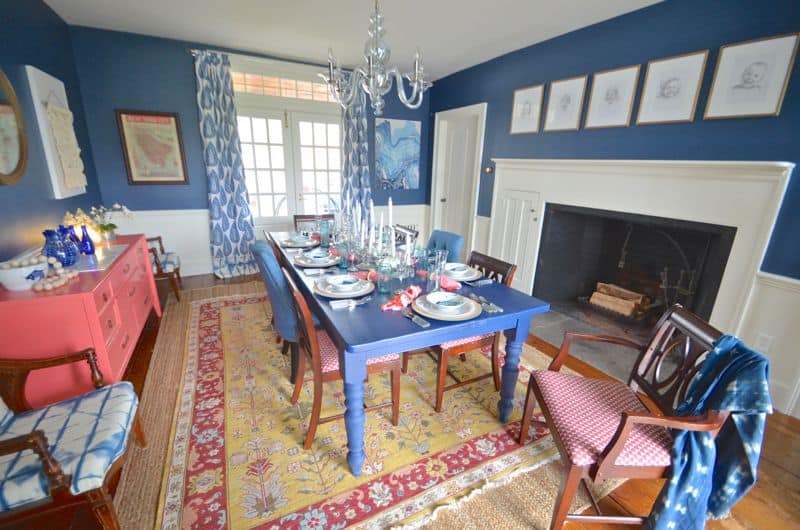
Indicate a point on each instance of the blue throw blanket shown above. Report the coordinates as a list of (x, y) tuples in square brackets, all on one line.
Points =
[(709, 476)]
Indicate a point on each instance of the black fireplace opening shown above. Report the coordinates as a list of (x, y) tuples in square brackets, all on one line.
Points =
[(668, 260)]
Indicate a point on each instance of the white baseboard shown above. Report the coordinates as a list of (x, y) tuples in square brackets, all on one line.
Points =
[(185, 232)]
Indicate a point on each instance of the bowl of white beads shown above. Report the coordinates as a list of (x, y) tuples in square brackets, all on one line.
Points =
[(22, 274), (55, 276)]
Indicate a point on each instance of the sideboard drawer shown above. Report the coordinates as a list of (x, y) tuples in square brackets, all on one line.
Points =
[(109, 321), (123, 271), (121, 346), (102, 295), (143, 302)]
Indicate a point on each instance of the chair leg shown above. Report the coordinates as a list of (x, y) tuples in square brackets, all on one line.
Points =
[(175, 289), (103, 508), (405, 362), (463, 358), (294, 361), (569, 486), (441, 379), (285, 347), (178, 274), (138, 432), (395, 375), (527, 414), (316, 409), (298, 382)]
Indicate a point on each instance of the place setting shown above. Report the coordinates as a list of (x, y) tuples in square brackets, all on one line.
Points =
[(343, 286), (316, 258), (299, 241)]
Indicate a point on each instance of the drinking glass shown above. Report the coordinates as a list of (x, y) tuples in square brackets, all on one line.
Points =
[(385, 272), (436, 262), (344, 255)]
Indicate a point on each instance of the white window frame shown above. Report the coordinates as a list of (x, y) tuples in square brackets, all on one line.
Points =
[(291, 109)]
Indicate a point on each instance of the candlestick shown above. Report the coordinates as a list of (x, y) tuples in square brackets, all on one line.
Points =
[(408, 249), (371, 212), (391, 222)]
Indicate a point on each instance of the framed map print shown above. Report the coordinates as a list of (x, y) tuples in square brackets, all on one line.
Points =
[(152, 147)]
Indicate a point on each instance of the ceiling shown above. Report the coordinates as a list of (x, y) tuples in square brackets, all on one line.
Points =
[(451, 34)]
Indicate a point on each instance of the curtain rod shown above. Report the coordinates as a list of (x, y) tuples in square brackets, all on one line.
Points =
[(195, 51)]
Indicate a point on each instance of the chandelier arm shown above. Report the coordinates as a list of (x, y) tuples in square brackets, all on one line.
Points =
[(414, 101)]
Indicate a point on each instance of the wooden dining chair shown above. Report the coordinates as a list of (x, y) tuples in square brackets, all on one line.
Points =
[(166, 265), (318, 348), (309, 220), (499, 271), (607, 429)]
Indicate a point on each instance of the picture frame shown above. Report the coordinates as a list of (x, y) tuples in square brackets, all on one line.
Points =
[(526, 110), (751, 77), (611, 98), (152, 146), (565, 104), (397, 153), (672, 88)]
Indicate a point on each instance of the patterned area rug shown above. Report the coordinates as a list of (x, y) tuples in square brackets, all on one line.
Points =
[(237, 461)]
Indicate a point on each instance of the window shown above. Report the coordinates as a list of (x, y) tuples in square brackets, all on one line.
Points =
[(290, 133), (280, 87)]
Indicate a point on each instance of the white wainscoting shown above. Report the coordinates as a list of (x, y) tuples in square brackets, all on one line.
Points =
[(408, 214), (185, 232), (770, 325)]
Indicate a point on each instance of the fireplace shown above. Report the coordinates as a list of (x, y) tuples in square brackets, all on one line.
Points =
[(667, 260)]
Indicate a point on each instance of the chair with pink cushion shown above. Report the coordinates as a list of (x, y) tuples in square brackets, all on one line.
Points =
[(607, 429), (318, 348), (491, 268)]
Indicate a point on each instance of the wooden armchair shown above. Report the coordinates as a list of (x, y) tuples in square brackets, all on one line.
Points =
[(499, 271), (606, 429), (76, 446), (165, 265)]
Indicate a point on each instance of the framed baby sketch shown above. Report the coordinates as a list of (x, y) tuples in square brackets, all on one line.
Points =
[(527, 108), (671, 87), (751, 77), (564, 104), (611, 99)]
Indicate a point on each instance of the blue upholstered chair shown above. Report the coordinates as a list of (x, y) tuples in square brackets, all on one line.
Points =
[(452, 243), (67, 452), (280, 298)]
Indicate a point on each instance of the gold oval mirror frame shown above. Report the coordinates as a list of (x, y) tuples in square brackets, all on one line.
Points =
[(11, 125)]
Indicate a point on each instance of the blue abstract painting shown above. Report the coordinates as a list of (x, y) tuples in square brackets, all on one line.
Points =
[(397, 147)]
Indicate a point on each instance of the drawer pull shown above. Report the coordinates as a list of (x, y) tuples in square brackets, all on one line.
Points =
[(147, 300), (125, 342), (127, 268), (105, 297), (132, 291), (110, 323)]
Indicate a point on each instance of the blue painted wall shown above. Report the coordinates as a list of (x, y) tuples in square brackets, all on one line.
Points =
[(669, 28), (127, 71), (31, 33)]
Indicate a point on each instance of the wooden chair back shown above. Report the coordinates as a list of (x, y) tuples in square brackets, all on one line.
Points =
[(306, 332), (493, 268), (304, 219), (676, 351), (274, 246)]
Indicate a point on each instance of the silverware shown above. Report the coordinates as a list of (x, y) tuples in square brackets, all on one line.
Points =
[(421, 322), (479, 283), (349, 303), (493, 308)]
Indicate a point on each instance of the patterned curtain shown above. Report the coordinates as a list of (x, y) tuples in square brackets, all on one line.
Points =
[(229, 210), (355, 147)]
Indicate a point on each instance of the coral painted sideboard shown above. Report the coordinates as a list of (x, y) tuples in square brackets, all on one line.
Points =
[(105, 310)]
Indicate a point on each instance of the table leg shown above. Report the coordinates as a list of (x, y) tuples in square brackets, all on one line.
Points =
[(515, 338), (355, 371)]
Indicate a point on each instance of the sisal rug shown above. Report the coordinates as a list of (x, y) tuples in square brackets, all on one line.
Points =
[(233, 447)]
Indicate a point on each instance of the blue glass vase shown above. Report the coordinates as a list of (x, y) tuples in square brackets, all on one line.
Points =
[(55, 247), (87, 245)]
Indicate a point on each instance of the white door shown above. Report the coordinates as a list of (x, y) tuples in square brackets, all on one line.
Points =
[(515, 233), (458, 151)]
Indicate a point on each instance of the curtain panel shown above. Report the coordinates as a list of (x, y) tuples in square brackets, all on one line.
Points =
[(231, 222)]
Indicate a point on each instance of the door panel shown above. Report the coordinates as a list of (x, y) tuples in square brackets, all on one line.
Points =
[(515, 233)]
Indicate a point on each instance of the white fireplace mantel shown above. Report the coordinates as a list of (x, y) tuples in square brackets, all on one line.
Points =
[(744, 195)]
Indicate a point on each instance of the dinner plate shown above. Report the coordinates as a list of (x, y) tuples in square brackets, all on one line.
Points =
[(321, 288), (307, 243), (461, 272), (473, 309), (444, 302), (302, 261), (342, 283)]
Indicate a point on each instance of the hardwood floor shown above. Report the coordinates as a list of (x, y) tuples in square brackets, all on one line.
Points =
[(774, 502)]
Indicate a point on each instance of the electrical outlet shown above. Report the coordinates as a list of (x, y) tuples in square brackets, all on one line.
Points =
[(763, 343)]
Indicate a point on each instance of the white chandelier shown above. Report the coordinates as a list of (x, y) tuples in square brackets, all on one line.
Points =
[(376, 76)]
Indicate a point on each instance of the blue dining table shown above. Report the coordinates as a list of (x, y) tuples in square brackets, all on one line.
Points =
[(366, 332)]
